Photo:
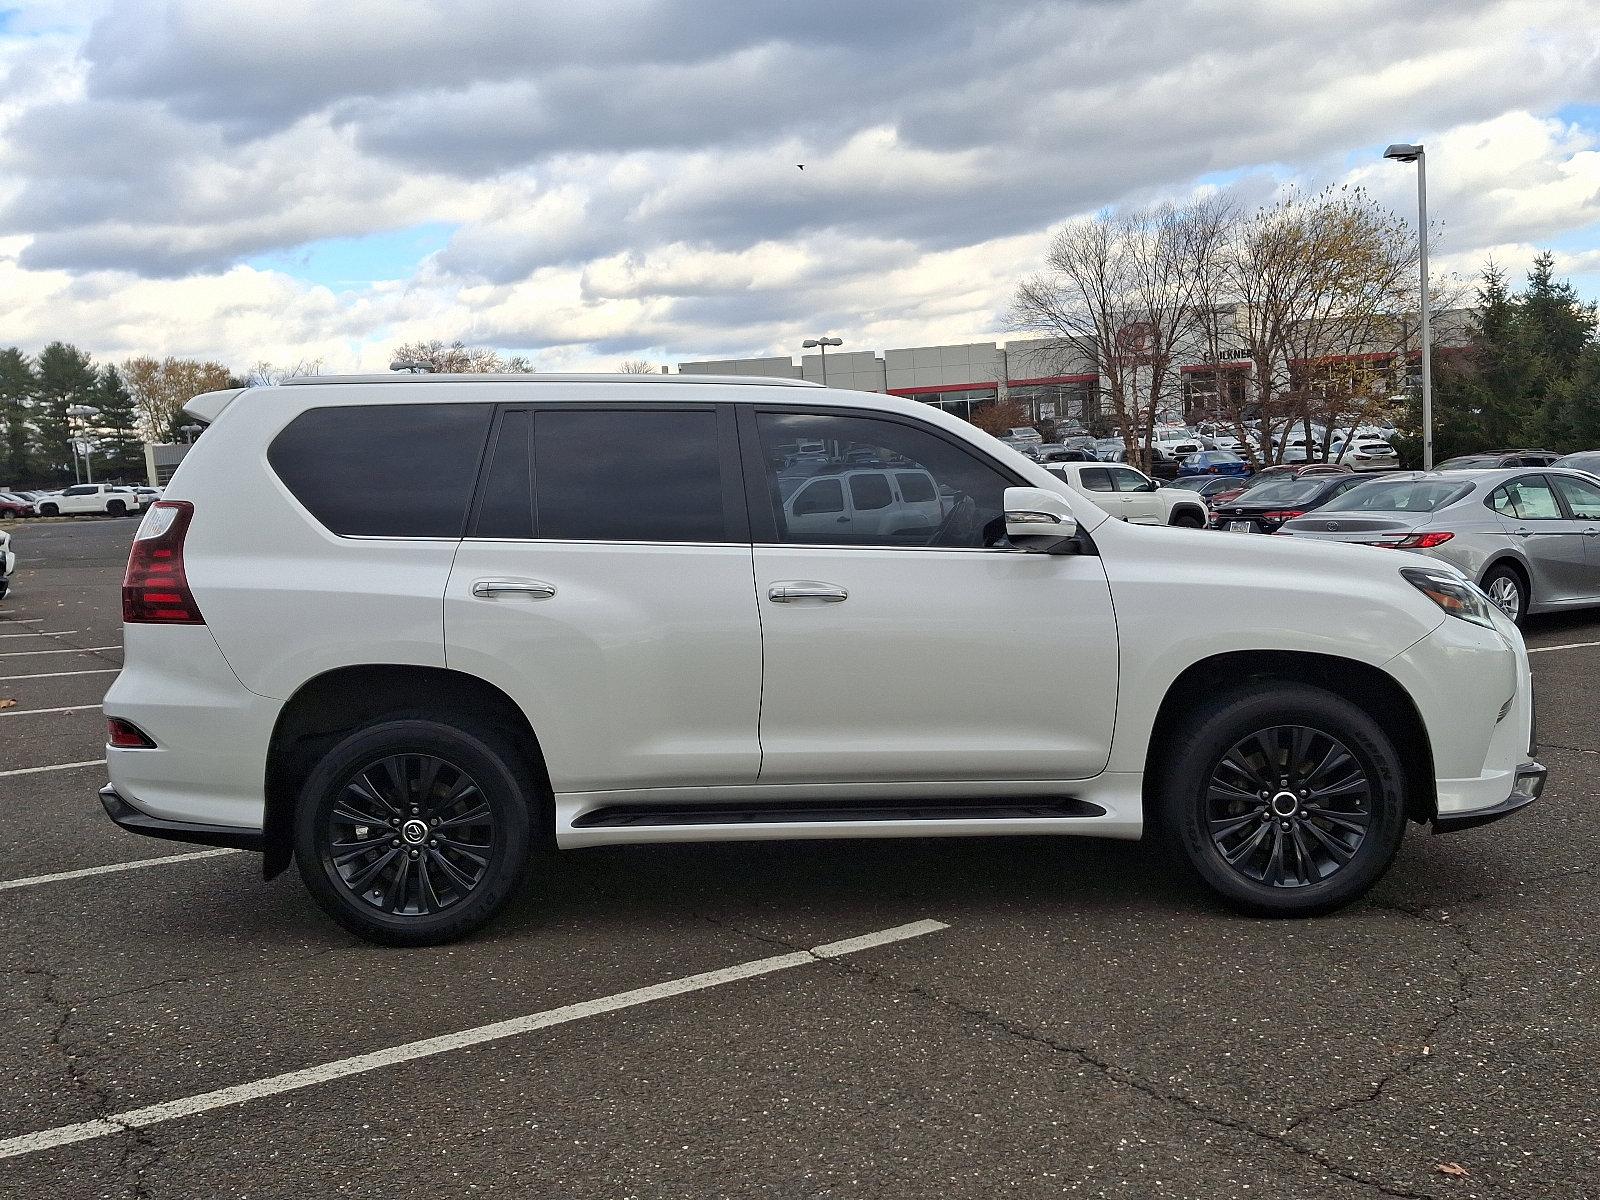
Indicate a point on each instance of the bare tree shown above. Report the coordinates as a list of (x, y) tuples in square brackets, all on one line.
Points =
[(459, 358), (264, 374), (1121, 292), (637, 366)]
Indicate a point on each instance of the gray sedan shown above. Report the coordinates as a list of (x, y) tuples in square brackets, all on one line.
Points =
[(1529, 538)]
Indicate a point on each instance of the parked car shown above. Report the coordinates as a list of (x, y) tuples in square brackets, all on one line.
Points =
[(1105, 447), (1214, 462), (1208, 487), (1024, 433), (101, 498), (13, 505), (1584, 460), (1051, 454), (1279, 471), (8, 563), (601, 622), (1497, 459), (1527, 538), (1263, 508), (1364, 454), (1124, 492)]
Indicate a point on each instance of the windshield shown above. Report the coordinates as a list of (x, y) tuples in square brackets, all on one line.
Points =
[(1399, 495)]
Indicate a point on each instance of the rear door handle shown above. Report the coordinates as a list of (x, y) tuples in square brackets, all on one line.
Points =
[(1591, 532), (486, 588), (788, 590)]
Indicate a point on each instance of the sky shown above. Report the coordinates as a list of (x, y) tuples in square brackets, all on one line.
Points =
[(288, 180)]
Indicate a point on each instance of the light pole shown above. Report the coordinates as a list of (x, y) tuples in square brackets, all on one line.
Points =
[(1403, 152), (189, 432), (822, 344), (82, 412)]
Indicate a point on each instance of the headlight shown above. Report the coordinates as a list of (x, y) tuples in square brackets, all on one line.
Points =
[(1453, 594)]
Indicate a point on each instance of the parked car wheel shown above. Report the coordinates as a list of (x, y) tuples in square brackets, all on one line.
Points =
[(116, 508), (411, 832), (1286, 800), (1507, 589), (1188, 519), (49, 510)]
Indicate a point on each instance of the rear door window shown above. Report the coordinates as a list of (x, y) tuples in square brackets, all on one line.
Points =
[(869, 492), (384, 470), (1530, 499), (1095, 479)]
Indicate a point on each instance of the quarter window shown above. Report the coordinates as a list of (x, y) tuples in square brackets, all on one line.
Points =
[(384, 470), (948, 497)]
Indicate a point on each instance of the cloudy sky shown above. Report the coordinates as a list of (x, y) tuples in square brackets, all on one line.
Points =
[(588, 180)]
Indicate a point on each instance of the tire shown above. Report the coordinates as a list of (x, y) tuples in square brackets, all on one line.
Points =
[(372, 888), (1186, 518), (1506, 588), (49, 510), (1206, 813), (116, 508)]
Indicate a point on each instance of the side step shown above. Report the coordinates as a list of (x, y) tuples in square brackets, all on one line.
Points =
[(811, 812)]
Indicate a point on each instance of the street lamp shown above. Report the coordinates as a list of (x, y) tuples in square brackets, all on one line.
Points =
[(190, 432), (82, 412), (822, 344), (1403, 152)]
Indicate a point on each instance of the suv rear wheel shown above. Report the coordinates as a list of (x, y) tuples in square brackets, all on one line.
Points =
[(1286, 800), (115, 508), (411, 832)]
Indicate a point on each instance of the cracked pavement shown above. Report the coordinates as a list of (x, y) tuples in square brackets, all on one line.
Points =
[(1090, 1024)]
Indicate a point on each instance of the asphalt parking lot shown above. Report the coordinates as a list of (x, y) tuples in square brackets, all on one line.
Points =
[(1020, 1017)]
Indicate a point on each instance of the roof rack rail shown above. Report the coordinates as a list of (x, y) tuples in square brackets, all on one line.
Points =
[(570, 377)]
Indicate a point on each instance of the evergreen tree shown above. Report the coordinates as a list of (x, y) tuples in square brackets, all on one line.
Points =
[(18, 386), (1558, 331), (1481, 398), (66, 377), (121, 451)]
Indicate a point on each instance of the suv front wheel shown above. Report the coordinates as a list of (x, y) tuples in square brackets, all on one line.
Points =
[(1286, 800), (411, 832)]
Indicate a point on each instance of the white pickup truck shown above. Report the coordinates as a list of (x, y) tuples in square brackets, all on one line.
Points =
[(1132, 495), (103, 498)]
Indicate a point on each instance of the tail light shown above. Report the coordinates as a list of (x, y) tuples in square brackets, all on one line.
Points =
[(155, 590), (1419, 541), (127, 735), (1283, 514)]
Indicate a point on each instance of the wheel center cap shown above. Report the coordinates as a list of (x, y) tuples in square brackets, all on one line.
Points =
[(416, 832), (1285, 804)]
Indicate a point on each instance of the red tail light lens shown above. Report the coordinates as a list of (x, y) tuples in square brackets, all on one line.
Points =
[(155, 590), (1283, 514), (127, 735), (1419, 541)]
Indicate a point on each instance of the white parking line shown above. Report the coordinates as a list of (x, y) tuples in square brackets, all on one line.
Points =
[(69, 650), (343, 1068), (1568, 646), (20, 620), (93, 762), (28, 712), (59, 674), (111, 869), (41, 633)]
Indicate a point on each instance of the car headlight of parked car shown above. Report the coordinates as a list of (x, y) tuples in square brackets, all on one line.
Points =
[(1450, 592)]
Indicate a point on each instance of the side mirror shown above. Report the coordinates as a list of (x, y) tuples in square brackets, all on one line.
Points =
[(1039, 520)]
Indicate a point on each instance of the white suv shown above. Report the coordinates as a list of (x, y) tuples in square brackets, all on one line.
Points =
[(402, 630)]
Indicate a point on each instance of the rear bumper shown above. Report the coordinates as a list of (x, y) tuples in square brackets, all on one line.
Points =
[(134, 821), (1530, 780)]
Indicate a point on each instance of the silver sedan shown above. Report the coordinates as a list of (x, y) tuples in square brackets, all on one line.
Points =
[(1530, 538)]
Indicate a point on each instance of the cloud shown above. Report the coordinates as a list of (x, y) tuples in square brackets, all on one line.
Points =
[(623, 173)]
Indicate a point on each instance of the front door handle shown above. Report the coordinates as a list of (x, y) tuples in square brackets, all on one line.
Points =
[(1591, 532), (806, 589), (527, 587)]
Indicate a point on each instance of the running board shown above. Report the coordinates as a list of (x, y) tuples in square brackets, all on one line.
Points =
[(810, 812)]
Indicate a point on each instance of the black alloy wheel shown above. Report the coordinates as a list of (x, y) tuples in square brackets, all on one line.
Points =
[(1284, 798), (1288, 806), (413, 831), (410, 834)]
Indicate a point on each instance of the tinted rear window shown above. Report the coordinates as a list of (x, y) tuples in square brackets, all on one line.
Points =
[(639, 476), (384, 470), (1399, 495)]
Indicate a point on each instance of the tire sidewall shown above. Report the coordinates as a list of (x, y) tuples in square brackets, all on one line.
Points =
[(493, 764), (1524, 593), (1184, 815)]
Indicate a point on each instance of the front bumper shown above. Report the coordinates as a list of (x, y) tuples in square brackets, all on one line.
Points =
[(1529, 785), (134, 821)]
